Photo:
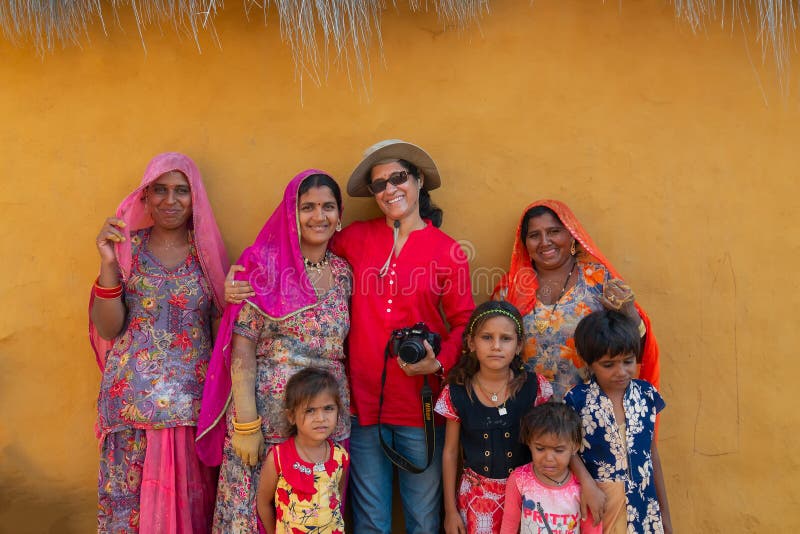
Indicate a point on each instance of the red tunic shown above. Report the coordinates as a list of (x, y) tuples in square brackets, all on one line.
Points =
[(430, 273)]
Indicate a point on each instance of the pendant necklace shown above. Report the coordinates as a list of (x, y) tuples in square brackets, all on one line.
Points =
[(539, 504), (542, 324), (315, 273), (557, 482), (494, 397)]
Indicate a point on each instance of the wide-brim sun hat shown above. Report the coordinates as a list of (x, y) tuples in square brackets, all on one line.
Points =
[(392, 149)]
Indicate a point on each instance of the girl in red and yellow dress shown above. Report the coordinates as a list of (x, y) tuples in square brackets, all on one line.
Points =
[(302, 479)]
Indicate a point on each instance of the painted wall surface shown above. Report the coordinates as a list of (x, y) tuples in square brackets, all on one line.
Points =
[(677, 152)]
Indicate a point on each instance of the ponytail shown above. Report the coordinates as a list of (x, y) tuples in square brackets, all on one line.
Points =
[(427, 209)]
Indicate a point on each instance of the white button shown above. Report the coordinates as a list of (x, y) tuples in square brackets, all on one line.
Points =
[(389, 301), (392, 273), (388, 310), (391, 281), (394, 265)]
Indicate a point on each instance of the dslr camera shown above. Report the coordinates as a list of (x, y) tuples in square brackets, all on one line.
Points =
[(406, 343)]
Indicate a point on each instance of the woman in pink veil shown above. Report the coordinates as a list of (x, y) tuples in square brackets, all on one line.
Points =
[(152, 311), (296, 317)]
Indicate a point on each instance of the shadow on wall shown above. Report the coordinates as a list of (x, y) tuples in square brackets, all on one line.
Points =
[(32, 502)]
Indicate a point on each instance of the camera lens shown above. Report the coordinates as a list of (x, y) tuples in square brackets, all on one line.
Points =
[(411, 350)]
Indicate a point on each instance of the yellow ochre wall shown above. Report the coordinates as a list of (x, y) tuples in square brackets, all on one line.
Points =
[(675, 150)]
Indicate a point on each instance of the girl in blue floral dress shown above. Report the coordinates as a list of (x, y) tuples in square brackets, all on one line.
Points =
[(618, 414)]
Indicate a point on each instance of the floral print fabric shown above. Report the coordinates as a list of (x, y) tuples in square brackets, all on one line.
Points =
[(153, 378), (154, 373), (552, 353), (311, 338), (609, 458), (120, 481), (480, 502), (307, 499)]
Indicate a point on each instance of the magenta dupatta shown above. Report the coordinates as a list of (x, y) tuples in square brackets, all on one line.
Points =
[(207, 239), (274, 267)]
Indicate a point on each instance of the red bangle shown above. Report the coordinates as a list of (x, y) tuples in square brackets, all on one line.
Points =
[(107, 292)]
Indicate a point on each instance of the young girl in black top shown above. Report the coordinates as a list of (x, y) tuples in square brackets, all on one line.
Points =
[(487, 393)]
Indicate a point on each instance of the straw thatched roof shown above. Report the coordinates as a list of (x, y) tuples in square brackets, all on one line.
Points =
[(341, 31)]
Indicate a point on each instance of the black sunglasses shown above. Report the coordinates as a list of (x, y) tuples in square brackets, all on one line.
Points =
[(396, 178)]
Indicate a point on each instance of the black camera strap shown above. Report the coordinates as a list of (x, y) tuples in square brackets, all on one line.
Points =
[(427, 417)]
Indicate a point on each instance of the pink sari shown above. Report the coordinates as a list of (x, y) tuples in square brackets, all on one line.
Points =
[(168, 489), (275, 269), (274, 266), (208, 239)]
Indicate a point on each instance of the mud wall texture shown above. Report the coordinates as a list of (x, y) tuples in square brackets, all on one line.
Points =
[(674, 149)]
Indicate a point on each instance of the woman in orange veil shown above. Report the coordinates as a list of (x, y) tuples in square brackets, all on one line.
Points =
[(558, 276)]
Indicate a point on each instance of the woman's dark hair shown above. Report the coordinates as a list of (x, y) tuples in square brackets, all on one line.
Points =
[(551, 418), (607, 332), (466, 367), (321, 180), (536, 211), (427, 209), (307, 384)]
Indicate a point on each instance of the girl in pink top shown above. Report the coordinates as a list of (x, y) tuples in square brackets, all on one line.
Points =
[(543, 497)]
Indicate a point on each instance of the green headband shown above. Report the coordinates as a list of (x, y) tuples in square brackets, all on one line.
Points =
[(496, 311)]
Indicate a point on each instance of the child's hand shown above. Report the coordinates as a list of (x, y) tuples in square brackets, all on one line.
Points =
[(248, 447), (453, 524), (618, 296), (593, 498)]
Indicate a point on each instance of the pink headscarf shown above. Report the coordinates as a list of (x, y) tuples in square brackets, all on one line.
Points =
[(208, 241), (274, 267)]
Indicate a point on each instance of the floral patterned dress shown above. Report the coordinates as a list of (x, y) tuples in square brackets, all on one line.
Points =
[(153, 378), (611, 454), (551, 353), (307, 497), (311, 338)]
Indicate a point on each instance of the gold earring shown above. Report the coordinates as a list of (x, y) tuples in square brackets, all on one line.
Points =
[(572, 248)]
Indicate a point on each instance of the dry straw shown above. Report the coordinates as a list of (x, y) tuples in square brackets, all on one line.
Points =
[(321, 33)]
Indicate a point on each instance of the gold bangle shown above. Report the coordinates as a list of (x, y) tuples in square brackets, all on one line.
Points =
[(247, 432), (642, 328), (247, 426), (107, 298)]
